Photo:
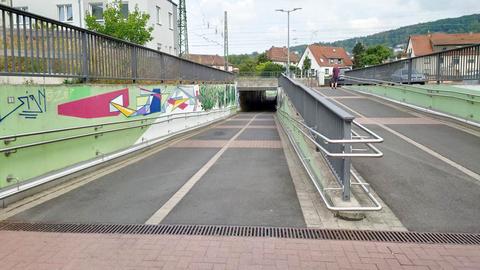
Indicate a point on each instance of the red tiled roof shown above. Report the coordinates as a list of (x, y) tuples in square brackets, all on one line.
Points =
[(423, 44), (206, 59), (322, 55), (278, 54)]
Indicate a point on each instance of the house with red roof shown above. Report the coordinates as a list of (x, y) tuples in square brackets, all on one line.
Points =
[(278, 55), (215, 61), (325, 58), (420, 45), (453, 63)]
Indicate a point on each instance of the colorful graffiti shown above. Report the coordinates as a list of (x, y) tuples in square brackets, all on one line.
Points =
[(30, 105), (96, 106), (146, 103), (182, 97)]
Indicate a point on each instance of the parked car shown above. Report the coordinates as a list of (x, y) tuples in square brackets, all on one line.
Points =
[(341, 77), (401, 76)]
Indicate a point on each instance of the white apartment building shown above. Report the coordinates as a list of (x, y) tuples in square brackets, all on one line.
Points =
[(163, 16)]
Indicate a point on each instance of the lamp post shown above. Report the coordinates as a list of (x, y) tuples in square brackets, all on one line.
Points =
[(288, 35)]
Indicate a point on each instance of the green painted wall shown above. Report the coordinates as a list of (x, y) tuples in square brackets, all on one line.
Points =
[(32, 108), (452, 100)]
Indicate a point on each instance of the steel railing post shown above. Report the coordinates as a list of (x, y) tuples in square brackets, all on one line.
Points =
[(347, 149), (438, 76), (410, 70), (85, 57), (134, 64)]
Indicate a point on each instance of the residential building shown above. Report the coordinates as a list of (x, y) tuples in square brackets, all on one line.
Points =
[(324, 58), (419, 45), (163, 16), (457, 63), (278, 55), (215, 61)]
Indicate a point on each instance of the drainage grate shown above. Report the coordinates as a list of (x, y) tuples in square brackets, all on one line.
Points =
[(250, 231)]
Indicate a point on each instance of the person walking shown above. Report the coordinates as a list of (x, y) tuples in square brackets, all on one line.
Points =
[(335, 76)]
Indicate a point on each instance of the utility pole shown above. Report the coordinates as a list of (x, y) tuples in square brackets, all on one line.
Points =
[(182, 29), (288, 35), (225, 43)]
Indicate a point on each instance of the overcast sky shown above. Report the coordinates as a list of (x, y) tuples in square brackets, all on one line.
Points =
[(254, 25)]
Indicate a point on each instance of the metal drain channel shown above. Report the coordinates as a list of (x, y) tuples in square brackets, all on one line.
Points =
[(250, 231)]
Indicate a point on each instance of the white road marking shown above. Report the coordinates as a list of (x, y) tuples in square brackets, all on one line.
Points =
[(161, 213), (422, 147)]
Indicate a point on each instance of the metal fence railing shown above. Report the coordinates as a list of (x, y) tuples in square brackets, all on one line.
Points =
[(450, 65), (265, 74), (330, 128), (32, 45)]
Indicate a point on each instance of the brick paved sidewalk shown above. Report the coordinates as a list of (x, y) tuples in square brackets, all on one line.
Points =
[(32, 250)]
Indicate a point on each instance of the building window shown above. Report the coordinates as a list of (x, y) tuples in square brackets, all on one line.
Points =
[(159, 46), (124, 9), (327, 71), (170, 20), (21, 18), (65, 13), (97, 10), (159, 16)]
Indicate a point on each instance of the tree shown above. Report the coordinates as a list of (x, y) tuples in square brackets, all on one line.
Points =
[(358, 50), (132, 28), (373, 56), (294, 69), (262, 58), (247, 66), (307, 65), (269, 68)]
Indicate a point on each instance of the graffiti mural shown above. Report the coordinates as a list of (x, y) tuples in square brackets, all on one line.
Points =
[(217, 96), (31, 105), (184, 96), (148, 102), (95, 106)]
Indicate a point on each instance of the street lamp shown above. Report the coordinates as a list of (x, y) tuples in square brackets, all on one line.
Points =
[(288, 36)]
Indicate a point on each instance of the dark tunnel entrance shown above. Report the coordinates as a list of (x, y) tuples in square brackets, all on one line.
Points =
[(257, 101)]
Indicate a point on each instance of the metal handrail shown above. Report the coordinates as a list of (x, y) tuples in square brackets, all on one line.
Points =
[(344, 115), (169, 118), (403, 87), (376, 152), (377, 138), (416, 57), (377, 206), (67, 25), (43, 132), (223, 76)]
